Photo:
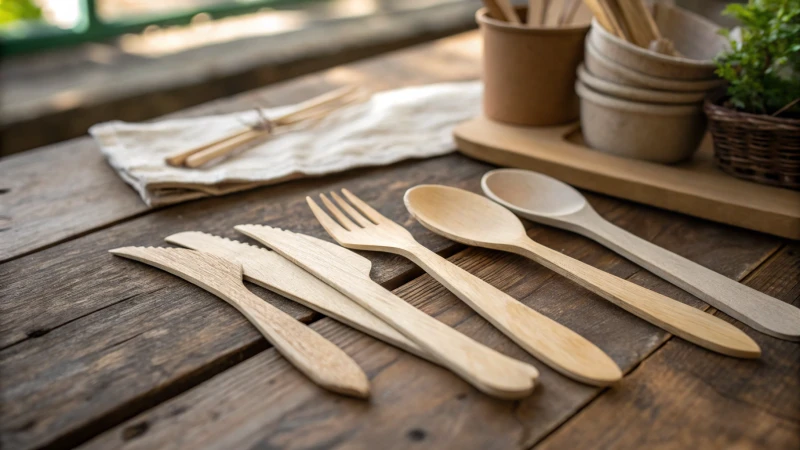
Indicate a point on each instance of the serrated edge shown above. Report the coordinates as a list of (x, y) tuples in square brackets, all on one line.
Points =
[(153, 248), (220, 238)]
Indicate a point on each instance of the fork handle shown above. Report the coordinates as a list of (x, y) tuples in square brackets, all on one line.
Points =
[(318, 358), (544, 338), (673, 316)]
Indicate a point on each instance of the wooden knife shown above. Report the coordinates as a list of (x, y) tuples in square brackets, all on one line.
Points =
[(319, 359), (489, 371), (274, 272)]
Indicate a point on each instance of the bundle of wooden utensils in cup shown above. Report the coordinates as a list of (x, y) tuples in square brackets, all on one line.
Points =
[(640, 77), (336, 282), (645, 78)]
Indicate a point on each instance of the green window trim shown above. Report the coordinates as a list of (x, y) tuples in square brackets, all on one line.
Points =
[(27, 37)]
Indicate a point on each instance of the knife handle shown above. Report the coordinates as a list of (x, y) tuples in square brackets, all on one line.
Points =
[(318, 358), (488, 370)]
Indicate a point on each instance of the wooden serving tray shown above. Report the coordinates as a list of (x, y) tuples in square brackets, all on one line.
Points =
[(694, 187)]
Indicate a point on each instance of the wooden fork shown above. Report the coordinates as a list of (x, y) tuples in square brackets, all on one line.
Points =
[(549, 341), (319, 359)]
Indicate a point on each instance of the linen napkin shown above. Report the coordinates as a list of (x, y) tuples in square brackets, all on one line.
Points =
[(390, 126)]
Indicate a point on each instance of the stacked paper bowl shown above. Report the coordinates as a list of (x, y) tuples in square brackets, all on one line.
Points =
[(641, 104)]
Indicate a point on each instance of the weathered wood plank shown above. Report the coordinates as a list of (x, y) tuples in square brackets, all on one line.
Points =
[(684, 397), (49, 288), (135, 87), (56, 192), (263, 403), (89, 337), (65, 190)]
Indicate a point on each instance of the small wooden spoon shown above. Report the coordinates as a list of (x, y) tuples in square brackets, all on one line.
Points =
[(543, 199), (475, 220)]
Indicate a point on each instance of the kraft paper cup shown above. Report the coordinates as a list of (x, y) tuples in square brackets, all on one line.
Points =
[(529, 73)]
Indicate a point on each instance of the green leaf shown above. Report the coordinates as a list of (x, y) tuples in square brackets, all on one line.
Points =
[(763, 71)]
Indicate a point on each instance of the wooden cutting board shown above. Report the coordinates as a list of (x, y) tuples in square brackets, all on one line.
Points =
[(695, 187)]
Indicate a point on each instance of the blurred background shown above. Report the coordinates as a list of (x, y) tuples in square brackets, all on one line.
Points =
[(68, 64)]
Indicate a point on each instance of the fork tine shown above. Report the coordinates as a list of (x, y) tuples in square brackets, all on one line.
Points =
[(330, 225), (351, 211), (375, 216), (338, 214)]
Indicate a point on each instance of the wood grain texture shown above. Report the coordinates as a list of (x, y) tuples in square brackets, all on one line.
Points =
[(556, 345), (66, 190), (756, 309), (603, 17), (321, 361), (30, 118), (80, 355), (567, 13), (218, 151), (495, 12), (315, 107), (681, 397), (681, 320), (54, 193), (536, 12), (274, 272), (695, 187), (638, 21), (543, 199), (503, 10), (475, 220), (489, 371), (137, 339), (614, 14), (126, 336), (415, 403)]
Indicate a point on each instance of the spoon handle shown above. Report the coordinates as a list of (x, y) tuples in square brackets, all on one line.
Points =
[(556, 345), (318, 358), (678, 318), (756, 309)]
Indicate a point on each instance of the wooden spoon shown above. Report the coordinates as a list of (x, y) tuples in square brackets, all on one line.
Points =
[(475, 220), (543, 199)]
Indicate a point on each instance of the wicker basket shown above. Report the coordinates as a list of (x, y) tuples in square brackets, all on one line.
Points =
[(760, 148)]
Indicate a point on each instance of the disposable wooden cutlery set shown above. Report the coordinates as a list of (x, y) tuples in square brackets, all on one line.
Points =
[(335, 281)]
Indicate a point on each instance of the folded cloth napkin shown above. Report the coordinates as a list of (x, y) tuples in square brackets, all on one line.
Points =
[(413, 122)]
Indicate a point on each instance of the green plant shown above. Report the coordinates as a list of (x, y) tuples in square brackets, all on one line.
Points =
[(763, 66), (14, 10)]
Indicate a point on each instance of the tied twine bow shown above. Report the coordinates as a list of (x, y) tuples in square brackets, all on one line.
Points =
[(216, 151)]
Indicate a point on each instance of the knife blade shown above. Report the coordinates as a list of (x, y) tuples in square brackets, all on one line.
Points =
[(274, 272)]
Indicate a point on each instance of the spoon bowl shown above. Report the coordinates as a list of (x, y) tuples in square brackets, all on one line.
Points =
[(475, 220), (543, 199), (463, 216), (532, 193)]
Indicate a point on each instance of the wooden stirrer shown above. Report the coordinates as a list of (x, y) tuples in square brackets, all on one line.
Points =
[(227, 144)]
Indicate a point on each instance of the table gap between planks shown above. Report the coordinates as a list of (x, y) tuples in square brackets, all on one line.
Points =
[(113, 354)]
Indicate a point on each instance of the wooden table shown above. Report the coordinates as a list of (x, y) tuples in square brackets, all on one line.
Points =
[(109, 353)]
